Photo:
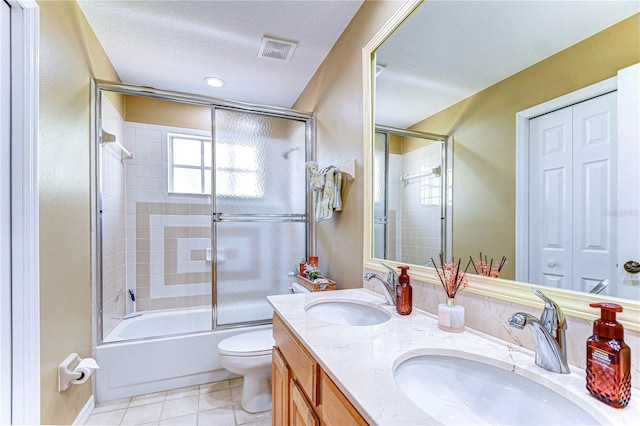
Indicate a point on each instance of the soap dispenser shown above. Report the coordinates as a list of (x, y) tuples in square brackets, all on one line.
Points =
[(403, 292), (609, 359)]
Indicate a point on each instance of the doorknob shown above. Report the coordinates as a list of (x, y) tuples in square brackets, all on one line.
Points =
[(632, 267)]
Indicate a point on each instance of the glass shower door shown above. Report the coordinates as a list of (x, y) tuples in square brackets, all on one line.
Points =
[(381, 249), (260, 211)]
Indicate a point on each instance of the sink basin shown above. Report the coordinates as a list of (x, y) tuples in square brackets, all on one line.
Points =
[(347, 313), (460, 391)]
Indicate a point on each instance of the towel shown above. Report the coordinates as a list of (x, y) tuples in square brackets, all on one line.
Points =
[(326, 183)]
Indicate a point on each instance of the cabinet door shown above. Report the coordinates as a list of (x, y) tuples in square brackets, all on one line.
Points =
[(280, 390), (301, 413), (336, 408)]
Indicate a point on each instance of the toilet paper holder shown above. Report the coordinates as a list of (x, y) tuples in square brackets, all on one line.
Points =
[(75, 370)]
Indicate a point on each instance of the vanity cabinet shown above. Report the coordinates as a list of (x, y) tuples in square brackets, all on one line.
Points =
[(303, 394)]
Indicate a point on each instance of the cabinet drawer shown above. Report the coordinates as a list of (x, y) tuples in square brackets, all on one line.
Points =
[(335, 407), (302, 365)]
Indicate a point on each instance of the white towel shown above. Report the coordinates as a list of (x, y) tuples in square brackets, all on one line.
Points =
[(327, 186)]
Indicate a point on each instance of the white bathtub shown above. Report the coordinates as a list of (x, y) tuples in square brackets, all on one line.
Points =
[(129, 368), (159, 323)]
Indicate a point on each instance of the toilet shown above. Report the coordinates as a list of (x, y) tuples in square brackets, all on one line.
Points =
[(249, 355)]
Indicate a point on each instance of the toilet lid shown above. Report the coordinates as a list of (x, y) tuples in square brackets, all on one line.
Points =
[(253, 343)]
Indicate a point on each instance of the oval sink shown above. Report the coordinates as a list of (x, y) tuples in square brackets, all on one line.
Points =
[(460, 391), (347, 313)]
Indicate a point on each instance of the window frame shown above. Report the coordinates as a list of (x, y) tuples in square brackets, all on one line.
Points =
[(171, 166)]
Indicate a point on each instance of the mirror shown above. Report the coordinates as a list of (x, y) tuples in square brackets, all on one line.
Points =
[(481, 72)]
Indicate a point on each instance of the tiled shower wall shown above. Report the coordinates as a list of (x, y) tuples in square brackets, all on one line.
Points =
[(114, 273), (416, 236), (167, 234)]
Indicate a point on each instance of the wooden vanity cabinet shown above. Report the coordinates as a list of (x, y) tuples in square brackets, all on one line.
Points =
[(303, 395)]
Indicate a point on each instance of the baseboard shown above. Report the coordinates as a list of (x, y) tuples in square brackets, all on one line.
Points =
[(86, 412)]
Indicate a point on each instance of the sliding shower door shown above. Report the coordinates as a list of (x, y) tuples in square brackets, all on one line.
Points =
[(260, 210)]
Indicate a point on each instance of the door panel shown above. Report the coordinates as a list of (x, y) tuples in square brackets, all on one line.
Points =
[(628, 175), (301, 413), (380, 236), (280, 389), (550, 202), (594, 199), (260, 164), (572, 233), (260, 213), (253, 261)]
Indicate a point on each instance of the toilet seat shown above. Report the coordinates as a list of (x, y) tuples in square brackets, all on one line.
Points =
[(253, 343)]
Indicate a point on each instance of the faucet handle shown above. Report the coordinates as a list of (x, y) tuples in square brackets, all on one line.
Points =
[(392, 272), (552, 316)]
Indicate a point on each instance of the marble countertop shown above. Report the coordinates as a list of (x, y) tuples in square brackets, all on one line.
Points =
[(361, 360)]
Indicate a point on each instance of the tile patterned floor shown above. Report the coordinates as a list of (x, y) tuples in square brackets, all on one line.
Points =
[(213, 404)]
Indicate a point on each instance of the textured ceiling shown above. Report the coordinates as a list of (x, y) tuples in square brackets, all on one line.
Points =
[(174, 45), (449, 50)]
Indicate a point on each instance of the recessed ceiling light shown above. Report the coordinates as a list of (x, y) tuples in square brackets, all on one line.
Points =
[(214, 81)]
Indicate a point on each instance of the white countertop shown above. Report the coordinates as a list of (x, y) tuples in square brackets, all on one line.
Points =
[(360, 360)]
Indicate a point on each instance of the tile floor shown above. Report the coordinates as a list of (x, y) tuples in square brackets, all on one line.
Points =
[(213, 404)]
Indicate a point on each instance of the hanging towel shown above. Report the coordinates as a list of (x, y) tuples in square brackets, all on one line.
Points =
[(326, 183)]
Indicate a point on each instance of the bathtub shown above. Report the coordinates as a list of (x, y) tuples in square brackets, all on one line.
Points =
[(152, 364)]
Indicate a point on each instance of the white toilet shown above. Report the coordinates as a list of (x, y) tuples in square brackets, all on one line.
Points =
[(249, 355)]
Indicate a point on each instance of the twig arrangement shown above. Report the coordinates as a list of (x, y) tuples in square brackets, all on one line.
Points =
[(451, 278), (486, 268)]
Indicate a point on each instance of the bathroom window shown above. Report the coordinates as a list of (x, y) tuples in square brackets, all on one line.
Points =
[(189, 164), (430, 191)]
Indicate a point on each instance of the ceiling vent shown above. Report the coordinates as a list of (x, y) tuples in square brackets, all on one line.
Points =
[(272, 48)]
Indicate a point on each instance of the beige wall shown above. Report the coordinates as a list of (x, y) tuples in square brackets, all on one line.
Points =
[(335, 94), (483, 127), (140, 109), (69, 56)]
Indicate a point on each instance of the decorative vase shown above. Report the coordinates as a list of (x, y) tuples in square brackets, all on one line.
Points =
[(451, 316)]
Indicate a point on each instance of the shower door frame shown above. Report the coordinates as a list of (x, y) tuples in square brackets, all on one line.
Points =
[(98, 87)]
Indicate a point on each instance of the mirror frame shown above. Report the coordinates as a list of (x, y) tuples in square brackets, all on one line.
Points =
[(573, 303)]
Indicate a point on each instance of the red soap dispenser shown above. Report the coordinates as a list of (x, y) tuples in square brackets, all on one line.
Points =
[(609, 358), (403, 292)]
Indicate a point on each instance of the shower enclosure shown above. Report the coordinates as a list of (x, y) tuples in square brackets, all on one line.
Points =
[(412, 195), (201, 207)]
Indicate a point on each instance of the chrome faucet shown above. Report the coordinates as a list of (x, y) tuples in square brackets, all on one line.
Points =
[(548, 333), (389, 286)]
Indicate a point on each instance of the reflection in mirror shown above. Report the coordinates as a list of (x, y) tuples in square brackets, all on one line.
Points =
[(493, 75), (409, 199)]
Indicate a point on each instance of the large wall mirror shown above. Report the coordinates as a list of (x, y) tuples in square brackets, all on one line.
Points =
[(539, 103)]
